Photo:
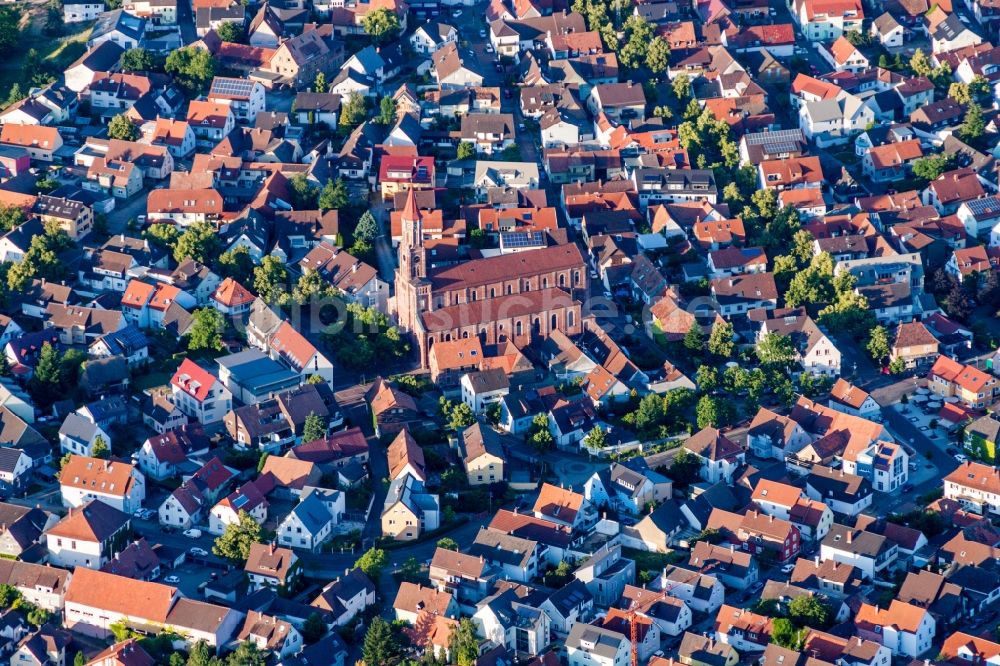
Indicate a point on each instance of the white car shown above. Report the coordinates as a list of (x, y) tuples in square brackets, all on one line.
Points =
[(193, 533), (788, 568), (198, 552), (173, 580), (960, 457)]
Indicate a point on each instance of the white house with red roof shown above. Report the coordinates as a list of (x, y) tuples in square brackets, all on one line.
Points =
[(294, 350), (144, 304), (250, 498), (199, 394), (231, 298)]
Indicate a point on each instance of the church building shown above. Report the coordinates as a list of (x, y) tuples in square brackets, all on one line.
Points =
[(517, 297)]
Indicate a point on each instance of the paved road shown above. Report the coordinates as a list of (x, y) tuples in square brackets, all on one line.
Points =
[(185, 19)]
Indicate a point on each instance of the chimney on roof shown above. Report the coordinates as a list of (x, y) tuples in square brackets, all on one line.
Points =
[(850, 535)]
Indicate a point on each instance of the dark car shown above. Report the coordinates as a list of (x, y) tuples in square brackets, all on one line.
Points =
[(908, 488), (951, 450)]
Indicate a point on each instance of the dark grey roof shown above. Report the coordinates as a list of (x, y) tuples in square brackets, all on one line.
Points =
[(8, 459)]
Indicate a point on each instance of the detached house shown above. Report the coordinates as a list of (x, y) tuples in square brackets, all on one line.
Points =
[(720, 456), (117, 484), (199, 394), (89, 536), (905, 629)]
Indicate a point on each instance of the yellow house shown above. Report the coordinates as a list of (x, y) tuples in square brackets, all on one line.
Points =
[(409, 509), (483, 455), (400, 522)]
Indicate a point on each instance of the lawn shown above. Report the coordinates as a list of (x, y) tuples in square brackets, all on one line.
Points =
[(152, 380), (59, 52)]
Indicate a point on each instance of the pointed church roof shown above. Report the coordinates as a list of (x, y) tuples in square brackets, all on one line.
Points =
[(411, 213)]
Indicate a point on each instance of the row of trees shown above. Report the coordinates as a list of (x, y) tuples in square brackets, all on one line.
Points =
[(633, 40)]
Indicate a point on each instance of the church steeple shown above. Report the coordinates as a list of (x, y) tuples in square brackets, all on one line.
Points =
[(412, 256)]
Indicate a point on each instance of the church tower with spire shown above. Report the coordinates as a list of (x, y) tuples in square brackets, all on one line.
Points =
[(413, 289)]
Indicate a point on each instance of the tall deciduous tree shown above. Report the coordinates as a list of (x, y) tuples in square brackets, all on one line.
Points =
[(206, 330), (120, 127), (193, 68), (381, 25), (235, 543), (270, 280)]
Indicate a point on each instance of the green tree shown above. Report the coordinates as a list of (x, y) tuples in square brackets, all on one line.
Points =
[(199, 242), (270, 280), (162, 235), (314, 428), (708, 412), (409, 570), (207, 325), (202, 655), (11, 217), (137, 60), (387, 111), (694, 340), (15, 94), (897, 366), (304, 194), (658, 55), (10, 30), (120, 127), (354, 112), (959, 92), (447, 543), (720, 341), (685, 468), (380, 647), (930, 167), (100, 448), (238, 538), (366, 228), (878, 345), (312, 285), (46, 381), (466, 151), (372, 562), (596, 439), (236, 264), (681, 87), (775, 349), (634, 47), (808, 611), (979, 89), (79, 659), (313, 629), (920, 63), (974, 125), (464, 643), (334, 195), (462, 417), (784, 633), (246, 654), (230, 31), (8, 595), (381, 25), (707, 378), (319, 84), (193, 68), (541, 438)]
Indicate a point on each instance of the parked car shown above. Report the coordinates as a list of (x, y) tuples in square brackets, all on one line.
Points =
[(198, 552), (192, 533), (951, 451), (173, 580), (908, 488), (960, 457), (788, 568)]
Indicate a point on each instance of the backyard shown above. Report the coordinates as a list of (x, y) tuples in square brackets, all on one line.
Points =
[(54, 53)]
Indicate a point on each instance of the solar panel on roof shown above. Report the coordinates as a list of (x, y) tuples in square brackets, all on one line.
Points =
[(514, 239), (230, 86)]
